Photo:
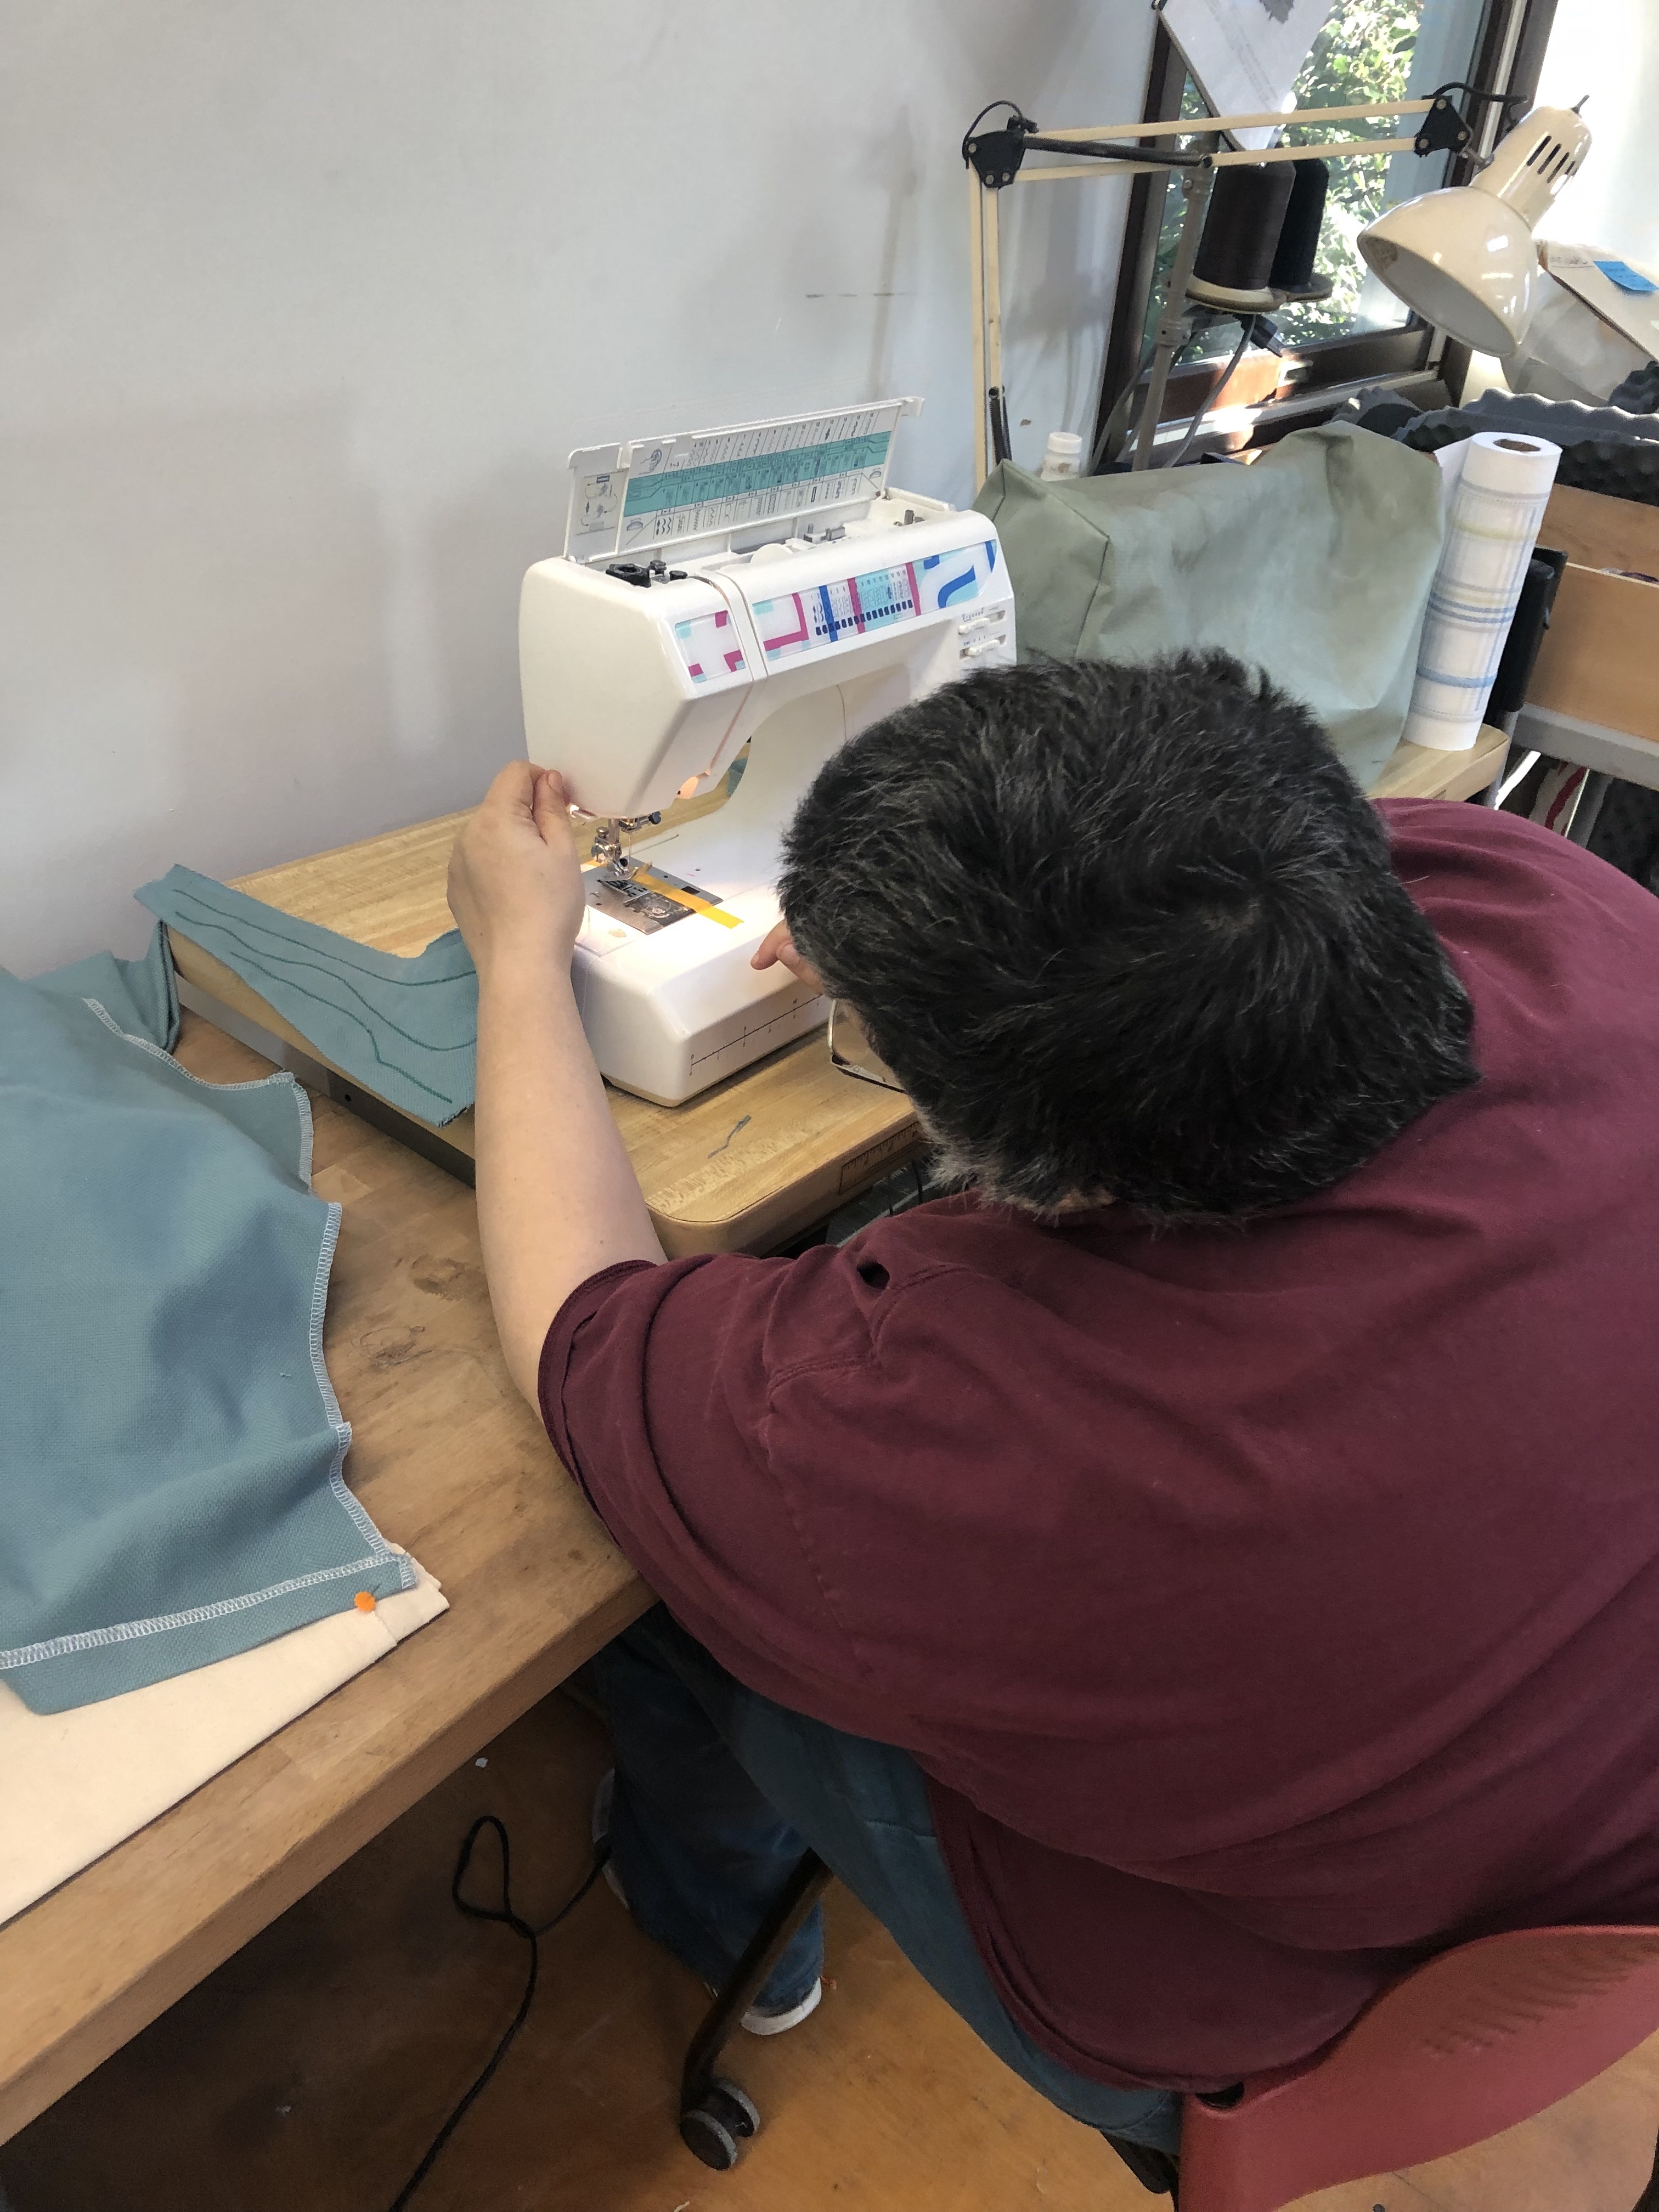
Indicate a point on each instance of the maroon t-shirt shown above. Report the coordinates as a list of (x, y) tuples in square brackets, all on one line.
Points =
[(1266, 1607)]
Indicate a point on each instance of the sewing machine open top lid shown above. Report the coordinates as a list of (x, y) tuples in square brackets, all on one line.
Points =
[(699, 491)]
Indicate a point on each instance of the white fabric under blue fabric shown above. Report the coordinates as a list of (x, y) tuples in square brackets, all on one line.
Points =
[(172, 1447), (408, 1029)]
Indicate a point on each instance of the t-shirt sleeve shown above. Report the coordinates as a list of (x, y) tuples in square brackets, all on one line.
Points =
[(657, 1385)]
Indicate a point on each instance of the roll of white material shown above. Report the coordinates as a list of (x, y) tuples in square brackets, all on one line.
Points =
[(1451, 459), (1497, 505)]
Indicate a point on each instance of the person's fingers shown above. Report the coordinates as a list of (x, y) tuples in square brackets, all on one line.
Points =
[(515, 786), (776, 946), (455, 878), (800, 966), (549, 806)]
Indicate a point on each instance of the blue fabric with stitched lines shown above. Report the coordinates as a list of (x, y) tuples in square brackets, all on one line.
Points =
[(408, 1029), (171, 1447)]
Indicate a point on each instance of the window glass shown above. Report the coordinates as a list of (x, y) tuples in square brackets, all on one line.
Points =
[(1608, 49), (1372, 50), (1363, 52), (1367, 49)]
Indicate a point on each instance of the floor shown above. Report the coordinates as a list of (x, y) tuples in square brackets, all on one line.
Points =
[(309, 2073)]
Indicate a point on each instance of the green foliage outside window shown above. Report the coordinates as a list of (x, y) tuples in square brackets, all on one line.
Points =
[(1363, 53)]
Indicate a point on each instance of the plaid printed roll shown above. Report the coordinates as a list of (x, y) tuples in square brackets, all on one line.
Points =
[(1496, 505)]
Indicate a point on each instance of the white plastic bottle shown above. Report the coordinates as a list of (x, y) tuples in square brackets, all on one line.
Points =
[(1062, 457)]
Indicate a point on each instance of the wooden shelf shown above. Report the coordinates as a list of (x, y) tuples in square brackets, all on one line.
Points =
[(1599, 662)]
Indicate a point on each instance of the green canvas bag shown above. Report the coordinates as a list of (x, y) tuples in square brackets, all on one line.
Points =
[(1314, 564)]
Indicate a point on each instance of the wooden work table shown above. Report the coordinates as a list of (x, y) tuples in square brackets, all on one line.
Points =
[(450, 1461), (454, 1464), (742, 1167)]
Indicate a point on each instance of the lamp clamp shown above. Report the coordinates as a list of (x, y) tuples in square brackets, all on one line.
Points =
[(1445, 129), (995, 156)]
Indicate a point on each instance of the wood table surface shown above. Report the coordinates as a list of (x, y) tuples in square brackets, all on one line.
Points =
[(1425, 772), (743, 1166), (451, 1464)]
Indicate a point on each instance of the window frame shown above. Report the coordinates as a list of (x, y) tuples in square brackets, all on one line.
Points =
[(1315, 376)]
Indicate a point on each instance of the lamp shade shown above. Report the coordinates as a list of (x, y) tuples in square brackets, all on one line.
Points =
[(1464, 257), (1465, 261)]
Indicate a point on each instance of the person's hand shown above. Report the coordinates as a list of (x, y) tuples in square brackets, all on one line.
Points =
[(777, 948), (515, 885)]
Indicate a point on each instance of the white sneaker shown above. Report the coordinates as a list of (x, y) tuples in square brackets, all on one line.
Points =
[(754, 2022)]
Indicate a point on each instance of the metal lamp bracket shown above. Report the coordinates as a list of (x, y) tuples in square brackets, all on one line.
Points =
[(995, 156), (1445, 129)]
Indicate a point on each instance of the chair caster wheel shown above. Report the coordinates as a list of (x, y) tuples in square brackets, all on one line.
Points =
[(714, 2129), (733, 2106), (705, 2138)]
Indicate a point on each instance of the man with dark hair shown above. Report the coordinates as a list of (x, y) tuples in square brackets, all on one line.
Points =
[(1211, 1563), (1127, 933)]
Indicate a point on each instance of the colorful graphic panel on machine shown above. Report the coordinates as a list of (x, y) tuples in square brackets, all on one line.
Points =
[(802, 622), (708, 647)]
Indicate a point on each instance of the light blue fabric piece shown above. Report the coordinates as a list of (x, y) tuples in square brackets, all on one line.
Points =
[(408, 1029), (141, 996), (170, 1442)]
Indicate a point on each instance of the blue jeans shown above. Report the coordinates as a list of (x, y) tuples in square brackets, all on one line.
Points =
[(720, 1791)]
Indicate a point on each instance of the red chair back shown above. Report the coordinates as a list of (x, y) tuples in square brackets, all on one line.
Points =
[(1471, 2044)]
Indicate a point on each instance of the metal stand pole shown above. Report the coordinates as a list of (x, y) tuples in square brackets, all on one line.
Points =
[(1172, 330), (997, 397), (976, 300)]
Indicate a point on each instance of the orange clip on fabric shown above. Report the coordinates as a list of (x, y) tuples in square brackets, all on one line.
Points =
[(364, 1600)]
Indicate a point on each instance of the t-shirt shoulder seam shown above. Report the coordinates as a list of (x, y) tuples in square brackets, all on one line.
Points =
[(827, 1364)]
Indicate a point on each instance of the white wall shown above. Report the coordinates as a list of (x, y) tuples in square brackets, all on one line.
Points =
[(1610, 50), (301, 307)]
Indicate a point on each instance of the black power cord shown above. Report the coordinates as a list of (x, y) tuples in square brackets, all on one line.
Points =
[(509, 1918)]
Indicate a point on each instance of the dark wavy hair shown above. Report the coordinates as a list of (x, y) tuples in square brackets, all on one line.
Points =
[(1127, 932)]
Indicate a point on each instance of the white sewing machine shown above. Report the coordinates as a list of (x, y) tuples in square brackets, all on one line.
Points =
[(759, 586)]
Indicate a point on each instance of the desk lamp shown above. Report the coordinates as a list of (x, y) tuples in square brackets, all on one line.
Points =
[(1567, 324)]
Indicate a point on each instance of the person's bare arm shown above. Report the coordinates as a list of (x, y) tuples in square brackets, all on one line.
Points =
[(557, 1195)]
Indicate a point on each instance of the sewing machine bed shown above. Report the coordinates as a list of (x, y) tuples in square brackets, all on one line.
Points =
[(744, 1167)]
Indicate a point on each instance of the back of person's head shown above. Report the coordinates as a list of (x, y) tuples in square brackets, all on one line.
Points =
[(1129, 932)]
